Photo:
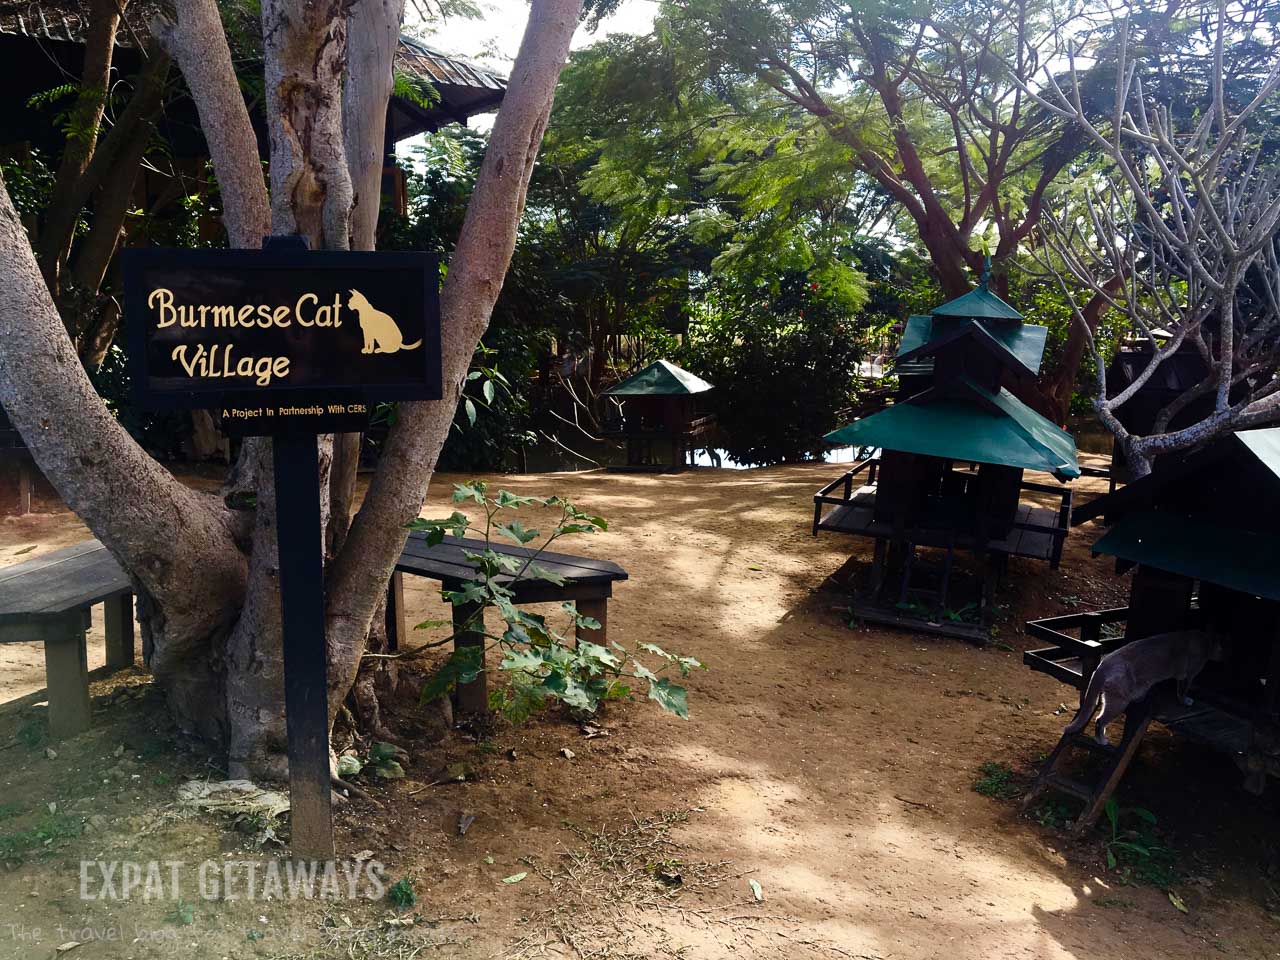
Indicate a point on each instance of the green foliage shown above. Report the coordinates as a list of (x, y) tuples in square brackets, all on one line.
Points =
[(382, 760), (50, 829), (29, 181), (784, 357), (544, 663), (416, 90), (401, 894), (1134, 848), (998, 780), (183, 914)]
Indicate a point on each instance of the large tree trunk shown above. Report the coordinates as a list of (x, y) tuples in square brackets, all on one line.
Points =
[(358, 577), (178, 545), (208, 574), (86, 118)]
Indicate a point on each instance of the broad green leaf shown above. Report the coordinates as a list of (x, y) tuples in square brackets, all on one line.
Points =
[(349, 765), (382, 751), (488, 391), (388, 770), (463, 666), (596, 652), (469, 406), (516, 877), (522, 660), (670, 696), (469, 491), (539, 572), (517, 531)]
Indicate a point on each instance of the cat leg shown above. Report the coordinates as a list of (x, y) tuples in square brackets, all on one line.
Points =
[(1107, 714)]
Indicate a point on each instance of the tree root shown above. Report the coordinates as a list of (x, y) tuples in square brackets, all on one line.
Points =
[(339, 784)]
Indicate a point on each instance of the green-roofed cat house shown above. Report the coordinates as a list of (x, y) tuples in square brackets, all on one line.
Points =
[(658, 416), (946, 463), (1200, 538)]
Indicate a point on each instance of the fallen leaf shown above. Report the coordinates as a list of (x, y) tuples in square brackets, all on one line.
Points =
[(757, 891), (753, 567), (567, 753), (18, 553), (489, 860), (516, 877), (465, 820), (69, 945), (1177, 902), (362, 856)]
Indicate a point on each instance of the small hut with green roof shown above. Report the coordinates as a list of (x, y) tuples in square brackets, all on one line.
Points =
[(947, 462), (659, 417)]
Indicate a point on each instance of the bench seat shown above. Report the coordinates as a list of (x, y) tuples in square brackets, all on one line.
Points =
[(49, 600)]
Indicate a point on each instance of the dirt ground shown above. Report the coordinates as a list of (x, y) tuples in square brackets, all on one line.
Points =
[(832, 766)]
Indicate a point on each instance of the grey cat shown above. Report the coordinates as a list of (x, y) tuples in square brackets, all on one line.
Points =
[(1126, 675)]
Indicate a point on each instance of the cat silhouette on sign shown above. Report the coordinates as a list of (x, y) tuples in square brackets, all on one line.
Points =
[(381, 335)]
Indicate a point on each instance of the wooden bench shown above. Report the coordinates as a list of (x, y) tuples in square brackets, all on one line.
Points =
[(49, 600), (589, 583)]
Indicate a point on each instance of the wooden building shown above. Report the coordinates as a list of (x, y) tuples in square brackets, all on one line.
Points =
[(1201, 538), (659, 417), (946, 461), (42, 44)]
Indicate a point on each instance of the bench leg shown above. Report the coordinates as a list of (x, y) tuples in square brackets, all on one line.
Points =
[(118, 614), (597, 609), (24, 488), (470, 698), (67, 675), (396, 633)]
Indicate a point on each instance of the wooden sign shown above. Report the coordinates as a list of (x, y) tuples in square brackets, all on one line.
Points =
[(282, 339)]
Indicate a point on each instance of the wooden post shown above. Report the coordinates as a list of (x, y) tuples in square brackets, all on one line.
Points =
[(598, 609), (24, 487), (306, 671), (67, 674), (117, 614), (396, 633), (470, 698)]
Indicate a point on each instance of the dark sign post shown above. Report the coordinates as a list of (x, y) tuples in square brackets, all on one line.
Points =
[(288, 343)]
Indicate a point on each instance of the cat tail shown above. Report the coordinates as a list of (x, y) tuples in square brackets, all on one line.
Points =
[(1088, 703), (411, 346)]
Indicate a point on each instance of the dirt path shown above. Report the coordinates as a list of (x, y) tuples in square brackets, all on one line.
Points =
[(833, 766)]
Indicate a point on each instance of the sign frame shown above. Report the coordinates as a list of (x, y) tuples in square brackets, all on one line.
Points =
[(279, 253)]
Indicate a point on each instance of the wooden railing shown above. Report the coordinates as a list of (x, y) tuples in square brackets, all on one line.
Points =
[(823, 498)]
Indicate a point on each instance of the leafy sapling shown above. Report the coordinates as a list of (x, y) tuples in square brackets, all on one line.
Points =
[(544, 663)]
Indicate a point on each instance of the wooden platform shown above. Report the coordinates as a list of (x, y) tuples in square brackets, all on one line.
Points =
[(1036, 534)]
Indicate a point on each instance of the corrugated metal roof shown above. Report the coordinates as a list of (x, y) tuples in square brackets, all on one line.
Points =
[(1024, 342), (978, 303), (1200, 547), (660, 379), (986, 428), (67, 21)]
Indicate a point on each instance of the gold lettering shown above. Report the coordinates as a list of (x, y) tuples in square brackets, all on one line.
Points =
[(245, 316), (223, 316), (297, 309), (281, 317), (168, 315)]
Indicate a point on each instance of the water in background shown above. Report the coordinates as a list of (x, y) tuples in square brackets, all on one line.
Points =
[(548, 457)]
